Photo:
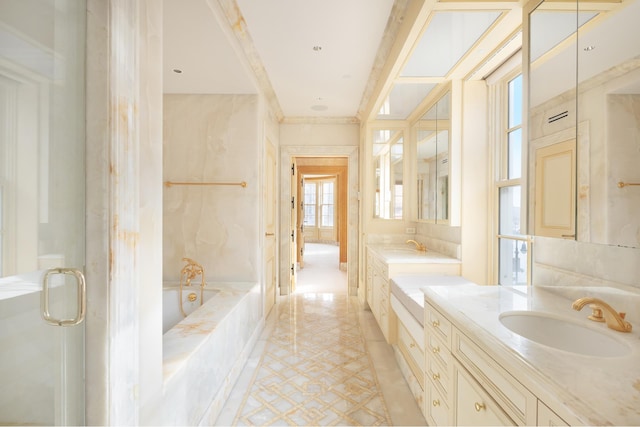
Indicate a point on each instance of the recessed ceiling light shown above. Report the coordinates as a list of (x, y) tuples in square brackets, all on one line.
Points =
[(589, 48), (317, 48), (177, 70), (319, 107)]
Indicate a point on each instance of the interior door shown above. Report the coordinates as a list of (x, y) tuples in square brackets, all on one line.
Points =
[(42, 212), (270, 228), (293, 254), (300, 214)]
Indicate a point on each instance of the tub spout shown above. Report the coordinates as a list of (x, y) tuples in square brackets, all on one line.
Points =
[(191, 271), (188, 273)]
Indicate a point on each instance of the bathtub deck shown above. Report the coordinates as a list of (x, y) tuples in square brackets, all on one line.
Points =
[(204, 353)]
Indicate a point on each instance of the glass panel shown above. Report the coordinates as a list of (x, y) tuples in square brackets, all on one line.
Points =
[(513, 262), (515, 102), (42, 208), (515, 154), (327, 215), (309, 204), (403, 99), (432, 161), (442, 184), (510, 210), (448, 37), (426, 170), (327, 204), (388, 153)]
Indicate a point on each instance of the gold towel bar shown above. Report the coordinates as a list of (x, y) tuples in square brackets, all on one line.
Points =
[(170, 183), (626, 184)]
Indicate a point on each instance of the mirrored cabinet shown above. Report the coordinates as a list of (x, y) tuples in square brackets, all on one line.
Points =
[(584, 120), (433, 135), (388, 169)]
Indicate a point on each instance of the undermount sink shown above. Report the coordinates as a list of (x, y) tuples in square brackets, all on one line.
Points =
[(564, 334)]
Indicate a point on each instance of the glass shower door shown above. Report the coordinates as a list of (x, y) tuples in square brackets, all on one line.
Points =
[(42, 211)]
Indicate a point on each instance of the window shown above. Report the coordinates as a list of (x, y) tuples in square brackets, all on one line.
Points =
[(327, 205), (512, 245), (319, 202), (309, 204)]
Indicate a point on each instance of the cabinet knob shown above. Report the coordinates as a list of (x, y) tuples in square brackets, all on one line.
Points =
[(436, 350), (436, 403), (480, 406), (412, 345), (435, 323), (436, 377)]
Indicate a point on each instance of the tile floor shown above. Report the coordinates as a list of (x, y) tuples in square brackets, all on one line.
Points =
[(321, 360)]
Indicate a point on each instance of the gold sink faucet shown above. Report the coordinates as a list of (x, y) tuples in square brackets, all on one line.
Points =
[(419, 246), (614, 319)]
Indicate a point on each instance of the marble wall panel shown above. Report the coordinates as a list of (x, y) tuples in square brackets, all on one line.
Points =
[(560, 262), (212, 138), (623, 159)]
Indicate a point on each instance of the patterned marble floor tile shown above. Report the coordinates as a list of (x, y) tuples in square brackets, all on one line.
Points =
[(315, 369)]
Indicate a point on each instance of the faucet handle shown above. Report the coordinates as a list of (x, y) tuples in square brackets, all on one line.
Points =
[(596, 313)]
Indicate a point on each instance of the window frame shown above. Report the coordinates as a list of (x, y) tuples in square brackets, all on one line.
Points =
[(502, 131)]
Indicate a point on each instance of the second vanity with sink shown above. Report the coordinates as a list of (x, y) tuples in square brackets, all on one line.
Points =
[(523, 356), (386, 261)]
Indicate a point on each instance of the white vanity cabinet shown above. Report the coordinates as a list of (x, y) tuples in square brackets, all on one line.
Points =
[(385, 262), (378, 296), (438, 368), (465, 386)]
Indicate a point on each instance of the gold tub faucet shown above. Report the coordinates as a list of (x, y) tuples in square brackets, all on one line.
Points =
[(419, 246), (191, 271), (614, 319)]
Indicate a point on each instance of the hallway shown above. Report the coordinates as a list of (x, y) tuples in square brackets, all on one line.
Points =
[(321, 360)]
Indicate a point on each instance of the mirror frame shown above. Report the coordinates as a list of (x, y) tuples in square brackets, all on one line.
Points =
[(400, 128)]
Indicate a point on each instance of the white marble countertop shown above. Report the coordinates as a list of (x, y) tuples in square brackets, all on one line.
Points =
[(581, 389), (404, 254)]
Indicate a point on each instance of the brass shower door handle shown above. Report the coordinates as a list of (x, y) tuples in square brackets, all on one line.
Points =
[(81, 297)]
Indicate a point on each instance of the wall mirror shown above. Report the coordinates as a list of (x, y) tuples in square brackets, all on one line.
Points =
[(432, 161), (584, 121), (388, 172)]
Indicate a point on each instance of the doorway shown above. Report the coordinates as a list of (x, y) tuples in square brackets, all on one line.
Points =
[(290, 233), (321, 272)]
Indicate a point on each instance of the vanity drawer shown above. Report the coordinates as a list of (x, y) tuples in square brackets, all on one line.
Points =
[(516, 400), (439, 375), (436, 350), (436, 408), (412, 352), (474, 406), (438, 325)]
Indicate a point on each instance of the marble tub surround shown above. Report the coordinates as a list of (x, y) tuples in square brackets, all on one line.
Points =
[(205, 353), (212, 138), (580, 389)]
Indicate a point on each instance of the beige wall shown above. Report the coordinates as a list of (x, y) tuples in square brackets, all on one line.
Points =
[(319, 134), (475, 184)]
